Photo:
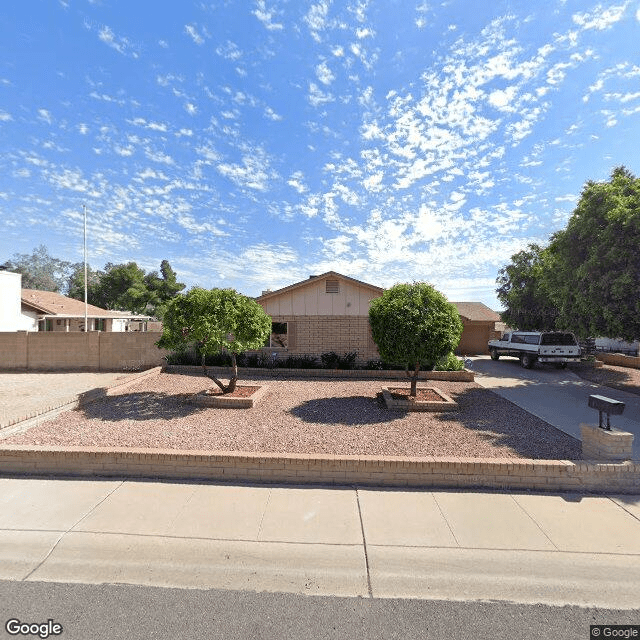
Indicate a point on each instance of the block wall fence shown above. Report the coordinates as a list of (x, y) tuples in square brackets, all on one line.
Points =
[(92, 351), (619, 360)]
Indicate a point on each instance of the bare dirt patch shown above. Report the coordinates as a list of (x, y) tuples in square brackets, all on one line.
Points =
[(306, 416)]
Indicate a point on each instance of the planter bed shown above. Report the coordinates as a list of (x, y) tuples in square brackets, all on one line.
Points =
[(427, 399), (243, 397)]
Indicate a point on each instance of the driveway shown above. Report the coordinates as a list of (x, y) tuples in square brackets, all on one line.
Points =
[(558, 396), (25, 394)]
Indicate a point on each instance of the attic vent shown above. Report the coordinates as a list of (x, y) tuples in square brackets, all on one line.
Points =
[(332, 286)]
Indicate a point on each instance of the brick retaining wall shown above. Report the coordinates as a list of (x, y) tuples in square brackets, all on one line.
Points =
[(469, 473), (619, 360)]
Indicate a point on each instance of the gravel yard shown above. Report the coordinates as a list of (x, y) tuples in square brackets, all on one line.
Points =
[(623, 378), (312, 416)]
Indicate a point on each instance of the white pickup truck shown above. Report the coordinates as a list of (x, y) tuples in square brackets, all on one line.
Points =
[(554, 347)]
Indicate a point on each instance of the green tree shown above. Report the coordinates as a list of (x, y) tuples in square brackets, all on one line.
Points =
[(524, 293), (75, 283), (123, 287), (594, 264), (164, 286), (216, 320), (414, 325), (40, 270)]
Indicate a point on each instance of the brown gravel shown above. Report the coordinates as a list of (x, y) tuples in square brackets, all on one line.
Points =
[(312, 416), (623, 378)]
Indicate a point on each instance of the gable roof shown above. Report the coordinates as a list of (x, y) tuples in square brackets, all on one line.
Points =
[(476, 311), (55, 304), (314, 279)]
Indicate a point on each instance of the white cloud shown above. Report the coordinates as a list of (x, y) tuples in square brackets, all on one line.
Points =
[(316, 19), (45, 116), (601, 18), (120, 44), (254, 172), (192, 32), (317, 97), (296, 181), (266, 16), (324, 74), (5, 117), (191, 108)]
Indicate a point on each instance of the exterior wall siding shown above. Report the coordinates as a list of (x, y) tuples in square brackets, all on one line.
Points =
[(314, 335)]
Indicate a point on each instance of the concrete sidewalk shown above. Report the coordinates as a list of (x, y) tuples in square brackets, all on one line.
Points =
[(555, 549)]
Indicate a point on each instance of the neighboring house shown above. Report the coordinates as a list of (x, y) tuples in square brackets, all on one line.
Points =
[(11, 317), (50, 311), (330, 312)]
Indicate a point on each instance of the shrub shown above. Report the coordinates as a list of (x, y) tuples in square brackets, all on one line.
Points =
[(449, 363), (330, 360)]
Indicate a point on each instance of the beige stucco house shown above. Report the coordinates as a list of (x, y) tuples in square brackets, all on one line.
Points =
[(330, 312)]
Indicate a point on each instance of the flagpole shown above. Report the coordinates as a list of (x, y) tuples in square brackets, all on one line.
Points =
[(86, 325)]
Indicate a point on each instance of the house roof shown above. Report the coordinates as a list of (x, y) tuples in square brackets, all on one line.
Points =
[(51, 303), (476, 311), (313, 279)]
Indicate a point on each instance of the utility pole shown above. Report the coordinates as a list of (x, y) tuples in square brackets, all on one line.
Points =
[(86, 325)]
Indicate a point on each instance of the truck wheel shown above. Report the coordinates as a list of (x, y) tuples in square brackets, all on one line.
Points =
[(494, 354), (527, 361)]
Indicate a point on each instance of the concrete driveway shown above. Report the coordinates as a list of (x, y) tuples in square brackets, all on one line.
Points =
[(23, 394), (557, 396)]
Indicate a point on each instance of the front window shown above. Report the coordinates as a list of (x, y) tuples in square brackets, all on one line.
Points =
[(278, 337), (100, 324)]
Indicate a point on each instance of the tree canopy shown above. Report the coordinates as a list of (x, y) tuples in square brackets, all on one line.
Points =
[(215, 320), (414, 325), (127, 287), (523, 294), (40, 270), (586, 279)]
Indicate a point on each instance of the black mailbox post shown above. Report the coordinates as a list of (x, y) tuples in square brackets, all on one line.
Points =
[(608, 405)]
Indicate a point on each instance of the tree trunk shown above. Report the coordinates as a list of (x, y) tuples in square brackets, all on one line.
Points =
[(212, 377), (234, 378), (414, 381)]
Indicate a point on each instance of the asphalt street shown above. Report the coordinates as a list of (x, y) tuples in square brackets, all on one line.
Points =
[(114, 612), (558, 396)]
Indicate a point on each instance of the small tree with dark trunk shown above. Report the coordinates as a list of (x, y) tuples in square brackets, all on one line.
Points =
[(414, 325), (216, 320)]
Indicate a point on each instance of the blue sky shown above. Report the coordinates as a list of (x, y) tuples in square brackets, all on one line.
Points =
[(253, 144)]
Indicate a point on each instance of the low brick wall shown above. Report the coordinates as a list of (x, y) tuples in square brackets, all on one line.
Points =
[(619, 360), (245, 373), (468, 473)]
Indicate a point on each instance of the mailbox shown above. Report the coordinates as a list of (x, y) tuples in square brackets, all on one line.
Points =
[(608, 406)]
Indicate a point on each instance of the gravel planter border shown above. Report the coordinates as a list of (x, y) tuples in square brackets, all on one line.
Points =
[(202, 399), (446, 404)]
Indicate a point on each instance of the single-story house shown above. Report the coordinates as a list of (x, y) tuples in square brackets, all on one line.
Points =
[(330, 312), (33, 310), (52, 311)]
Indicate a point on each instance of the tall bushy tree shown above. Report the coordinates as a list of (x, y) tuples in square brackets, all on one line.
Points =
[(414, 325), (524, 293), (215, 320), (594, 264), (40, 270)]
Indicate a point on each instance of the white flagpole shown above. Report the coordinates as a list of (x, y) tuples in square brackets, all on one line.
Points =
[(86, 325)]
